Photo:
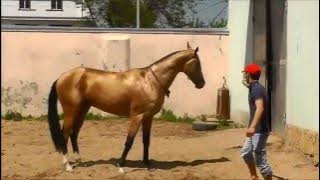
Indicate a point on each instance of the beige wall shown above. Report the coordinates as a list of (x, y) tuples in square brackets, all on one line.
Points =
[(31, 61)]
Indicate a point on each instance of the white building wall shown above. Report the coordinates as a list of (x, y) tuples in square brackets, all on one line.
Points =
[(303, 64), (240, 32), (41, 9)]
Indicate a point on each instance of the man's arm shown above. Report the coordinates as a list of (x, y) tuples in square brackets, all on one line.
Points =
[(256, 119), (258, 114)]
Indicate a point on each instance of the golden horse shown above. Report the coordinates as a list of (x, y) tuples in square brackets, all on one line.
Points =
[(136, 93)]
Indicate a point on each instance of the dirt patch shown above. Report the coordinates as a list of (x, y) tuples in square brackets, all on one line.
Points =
[(176, 152)]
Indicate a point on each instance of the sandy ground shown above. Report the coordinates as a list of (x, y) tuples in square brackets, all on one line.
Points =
[(176, 152)]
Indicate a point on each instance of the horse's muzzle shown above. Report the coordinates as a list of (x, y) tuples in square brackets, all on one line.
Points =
[(200, 85)]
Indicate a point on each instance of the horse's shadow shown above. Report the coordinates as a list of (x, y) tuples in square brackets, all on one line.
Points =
[(155, 164)]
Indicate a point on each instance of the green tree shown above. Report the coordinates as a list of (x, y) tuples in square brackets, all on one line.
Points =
[(219, 24), (153, 13), (123, 14), (197, 23)]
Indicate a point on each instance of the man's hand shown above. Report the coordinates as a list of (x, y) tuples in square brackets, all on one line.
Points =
[(250, 131)]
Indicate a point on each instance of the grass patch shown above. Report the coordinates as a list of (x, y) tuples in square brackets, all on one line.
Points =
[(224, 124), (91, 116), (11, 115), (41, 118), (99, 117), (202, 117), (168, 115), (16, 116)]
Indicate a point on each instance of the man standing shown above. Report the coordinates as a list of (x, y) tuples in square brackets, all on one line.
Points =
[(259, 125)]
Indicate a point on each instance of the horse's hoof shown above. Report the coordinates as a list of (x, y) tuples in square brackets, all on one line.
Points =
[(69, 168), (121, 170)]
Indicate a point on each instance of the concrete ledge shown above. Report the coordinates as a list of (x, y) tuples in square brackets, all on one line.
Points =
[(305, 140), (191, 31)]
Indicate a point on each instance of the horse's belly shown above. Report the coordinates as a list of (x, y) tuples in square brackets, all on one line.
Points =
[(117, 109), (112, 103), (107, 94)]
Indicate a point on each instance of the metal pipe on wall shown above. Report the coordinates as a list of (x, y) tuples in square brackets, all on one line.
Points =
[(138, 14)]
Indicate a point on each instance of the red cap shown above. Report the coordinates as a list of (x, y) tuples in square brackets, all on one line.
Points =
[(252, 69)]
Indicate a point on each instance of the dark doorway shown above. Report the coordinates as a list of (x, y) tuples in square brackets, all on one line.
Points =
[(278, 16), (269, 51)]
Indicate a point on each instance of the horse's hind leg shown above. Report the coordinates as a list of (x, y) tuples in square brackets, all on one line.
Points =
[(76, 129), (71, 114), (66, 130)]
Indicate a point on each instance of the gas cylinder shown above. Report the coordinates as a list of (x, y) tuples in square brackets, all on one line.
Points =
[(223, 102)]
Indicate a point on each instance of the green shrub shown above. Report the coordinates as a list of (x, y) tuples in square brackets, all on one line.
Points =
[(168, 115), (11, 115)]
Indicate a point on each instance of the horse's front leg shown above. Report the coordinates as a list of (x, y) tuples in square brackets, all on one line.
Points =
[(146, 127), (135, 123)]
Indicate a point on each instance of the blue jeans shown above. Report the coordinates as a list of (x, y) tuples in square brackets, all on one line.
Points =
[(257, 145)]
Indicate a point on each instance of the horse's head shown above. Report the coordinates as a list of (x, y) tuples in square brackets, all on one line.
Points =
[(192, 68)]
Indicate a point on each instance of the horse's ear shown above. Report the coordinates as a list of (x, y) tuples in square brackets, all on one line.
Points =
[(197, 49), (188, 46)]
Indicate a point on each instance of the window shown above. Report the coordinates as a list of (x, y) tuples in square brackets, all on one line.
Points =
[(56, 4), (24, 4)]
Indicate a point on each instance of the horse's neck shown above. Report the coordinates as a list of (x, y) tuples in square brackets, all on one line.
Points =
[(164, 75), (167, 70)]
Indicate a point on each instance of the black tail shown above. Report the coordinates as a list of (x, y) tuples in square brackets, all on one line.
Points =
[(53, 120)]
